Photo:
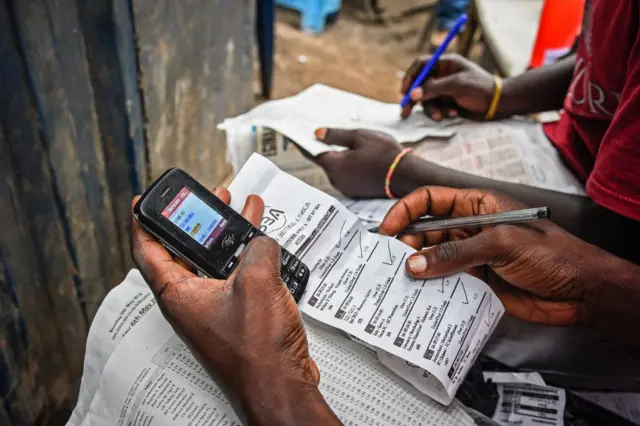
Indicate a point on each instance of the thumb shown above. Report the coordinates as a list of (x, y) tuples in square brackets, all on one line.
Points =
[(436, 87), (454, 256), (341, 137), (315, 371), (329, 161), (261, 261)]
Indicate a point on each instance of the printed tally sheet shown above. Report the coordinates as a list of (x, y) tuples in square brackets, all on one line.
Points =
[(358, 284)]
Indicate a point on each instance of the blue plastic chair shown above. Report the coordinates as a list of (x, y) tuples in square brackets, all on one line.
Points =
[(314, 16), (314, 12)]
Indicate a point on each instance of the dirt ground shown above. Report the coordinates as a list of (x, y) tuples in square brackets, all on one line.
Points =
[(356, 53)]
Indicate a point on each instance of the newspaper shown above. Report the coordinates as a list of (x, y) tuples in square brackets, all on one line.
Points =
[(138, 372), (513, 150), (359, 284)]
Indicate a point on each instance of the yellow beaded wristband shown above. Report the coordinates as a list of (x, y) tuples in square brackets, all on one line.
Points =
[(497, 94), (392, 168)]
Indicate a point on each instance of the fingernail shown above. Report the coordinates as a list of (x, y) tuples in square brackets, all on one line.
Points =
[(453, 113), (417, 264), (417, 94), (321, 134), (436, 116)]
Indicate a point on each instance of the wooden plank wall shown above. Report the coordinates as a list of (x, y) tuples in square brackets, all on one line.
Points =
[(96, 97), (196, 70)]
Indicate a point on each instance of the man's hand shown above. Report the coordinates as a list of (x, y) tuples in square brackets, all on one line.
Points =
[(456, 86), (246, 330), (359, 172), (539, 271)]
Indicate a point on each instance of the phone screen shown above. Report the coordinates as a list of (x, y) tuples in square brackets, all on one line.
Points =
[(195, 218)]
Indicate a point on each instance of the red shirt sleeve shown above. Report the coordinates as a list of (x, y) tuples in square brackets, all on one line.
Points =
[(615, 180)]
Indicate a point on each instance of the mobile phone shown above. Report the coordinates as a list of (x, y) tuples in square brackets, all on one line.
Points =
[(199, 228)]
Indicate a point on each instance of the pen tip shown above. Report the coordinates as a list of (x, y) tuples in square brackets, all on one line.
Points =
[(544, 213)]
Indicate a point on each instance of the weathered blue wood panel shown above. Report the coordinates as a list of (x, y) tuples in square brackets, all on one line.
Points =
[(38, 291), (30, 368), (19, 123), (96, 96), (53, 47), (127, 57), (100, 34), (196, 69)]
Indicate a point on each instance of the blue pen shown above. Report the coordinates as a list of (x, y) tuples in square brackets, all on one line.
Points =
[(436, 56)]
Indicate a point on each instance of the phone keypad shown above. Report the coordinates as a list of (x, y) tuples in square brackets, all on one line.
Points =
[(285, 258), (293, 266), (253, 233), (294, 273), (231, 265)]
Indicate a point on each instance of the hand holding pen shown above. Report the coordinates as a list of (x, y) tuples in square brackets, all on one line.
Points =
[(505, 218), (428, 68), (528, 265)]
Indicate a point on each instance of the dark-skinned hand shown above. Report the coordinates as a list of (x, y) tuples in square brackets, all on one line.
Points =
[(360, 171), (246, 330), (455, 87), (537, 269)]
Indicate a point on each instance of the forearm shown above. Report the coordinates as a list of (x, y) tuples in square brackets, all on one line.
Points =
[(285, 402), (612, 305), (541, 89), (576, 214)]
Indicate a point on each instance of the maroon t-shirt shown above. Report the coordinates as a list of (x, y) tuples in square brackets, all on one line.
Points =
[(599, 131)]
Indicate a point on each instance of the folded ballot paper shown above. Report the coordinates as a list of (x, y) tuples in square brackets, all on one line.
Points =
[(408, 343)]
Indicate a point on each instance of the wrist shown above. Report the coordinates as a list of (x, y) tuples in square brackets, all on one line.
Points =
[(507, 106), (412, 172), (611, 289), (283, 401), (391, 171), (496, 97)]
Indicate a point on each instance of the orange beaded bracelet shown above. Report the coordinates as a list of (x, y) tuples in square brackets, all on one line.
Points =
[(392, 168)]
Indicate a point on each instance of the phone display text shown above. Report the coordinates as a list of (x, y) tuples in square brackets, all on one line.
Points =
[(195, 218)]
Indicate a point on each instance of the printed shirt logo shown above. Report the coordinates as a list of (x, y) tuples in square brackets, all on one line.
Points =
[(587, 96)]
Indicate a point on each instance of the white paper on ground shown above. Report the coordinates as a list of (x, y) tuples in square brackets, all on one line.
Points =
[(513, 377), (525, 400), (322, 106), (525, 404), (138, 372), (358, 281)]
